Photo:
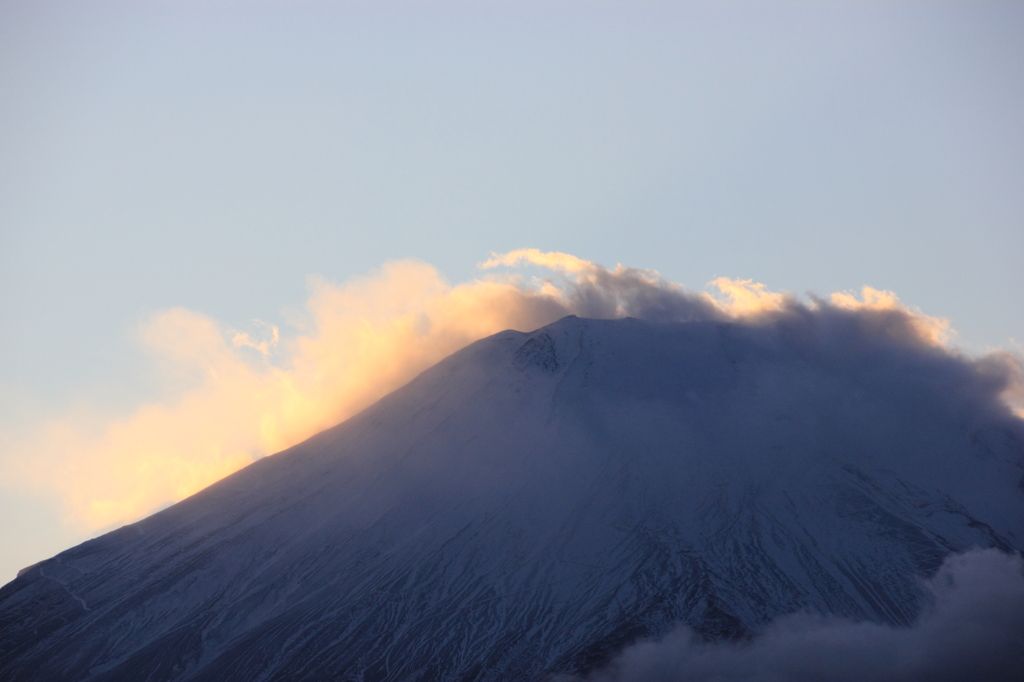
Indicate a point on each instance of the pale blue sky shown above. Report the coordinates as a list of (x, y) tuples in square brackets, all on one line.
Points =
[(213, 154)]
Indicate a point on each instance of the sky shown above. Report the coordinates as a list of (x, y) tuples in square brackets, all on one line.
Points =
[(193, 193)]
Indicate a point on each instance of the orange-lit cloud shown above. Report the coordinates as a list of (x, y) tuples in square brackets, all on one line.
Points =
[(255, 393), (745, 297), (355, 343), (934, 329), (554, 260)]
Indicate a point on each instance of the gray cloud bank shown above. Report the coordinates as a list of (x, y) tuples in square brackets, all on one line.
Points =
[(971, 628)]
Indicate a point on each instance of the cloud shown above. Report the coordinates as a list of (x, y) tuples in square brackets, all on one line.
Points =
[(885, 304), (971, 629), (264, 345), (251, 394), (555, 260), (249, 397), (745, 297)]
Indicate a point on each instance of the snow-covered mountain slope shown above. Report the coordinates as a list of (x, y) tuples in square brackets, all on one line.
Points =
[(537, 501)]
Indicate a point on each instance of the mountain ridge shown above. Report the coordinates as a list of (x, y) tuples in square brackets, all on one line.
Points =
[(537, 501)]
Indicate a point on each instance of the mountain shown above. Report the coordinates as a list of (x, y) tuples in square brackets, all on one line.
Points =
[(537, 501)]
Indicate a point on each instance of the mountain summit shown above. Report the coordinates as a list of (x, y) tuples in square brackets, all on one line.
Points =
[(538, 501)]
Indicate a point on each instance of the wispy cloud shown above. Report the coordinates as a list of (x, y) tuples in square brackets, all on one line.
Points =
[(971, 629), (255, 393)]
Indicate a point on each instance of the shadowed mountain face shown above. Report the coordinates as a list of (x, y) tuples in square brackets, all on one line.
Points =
[(537, 501)]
